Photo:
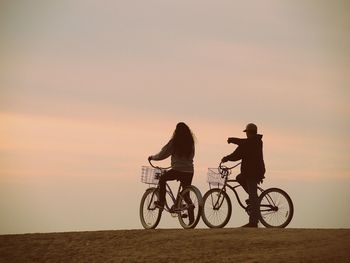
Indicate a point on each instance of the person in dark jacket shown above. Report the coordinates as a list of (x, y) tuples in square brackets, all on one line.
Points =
[(250, 151)]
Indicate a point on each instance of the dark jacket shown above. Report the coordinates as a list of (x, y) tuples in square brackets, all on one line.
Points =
[(250, 151)]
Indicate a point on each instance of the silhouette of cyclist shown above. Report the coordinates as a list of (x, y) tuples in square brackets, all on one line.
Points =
[(250, 151), (181, 149)]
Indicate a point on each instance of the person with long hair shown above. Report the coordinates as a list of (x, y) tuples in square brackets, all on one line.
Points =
[(182, 150)]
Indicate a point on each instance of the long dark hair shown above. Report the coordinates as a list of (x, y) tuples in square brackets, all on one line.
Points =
[(183, 140)]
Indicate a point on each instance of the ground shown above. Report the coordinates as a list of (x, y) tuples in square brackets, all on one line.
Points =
[(178, 245)]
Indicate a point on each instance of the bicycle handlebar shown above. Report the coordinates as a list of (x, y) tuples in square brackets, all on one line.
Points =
[(157, 167), (229, 168), (224, 170)]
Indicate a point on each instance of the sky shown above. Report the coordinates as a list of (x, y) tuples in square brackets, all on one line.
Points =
[(89, 89)]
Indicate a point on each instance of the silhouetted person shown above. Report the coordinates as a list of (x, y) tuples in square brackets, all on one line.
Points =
[(250, 151), (181, 149)]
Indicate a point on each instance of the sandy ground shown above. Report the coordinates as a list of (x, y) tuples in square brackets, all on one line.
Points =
[(178, 245)]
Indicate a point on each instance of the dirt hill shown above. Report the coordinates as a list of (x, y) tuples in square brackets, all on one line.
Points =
[(178, 245)]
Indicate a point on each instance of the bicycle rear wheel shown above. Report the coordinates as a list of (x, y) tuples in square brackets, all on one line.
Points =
[(276, 208), (217, 208), (149, 214), (190, 207)]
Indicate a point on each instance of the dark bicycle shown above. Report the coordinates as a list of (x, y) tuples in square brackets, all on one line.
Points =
[(276, 207), (186, 205)]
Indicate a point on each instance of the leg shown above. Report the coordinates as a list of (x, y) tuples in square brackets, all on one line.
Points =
[(168, 176), (242, 179), (186, 180), (252, 186)]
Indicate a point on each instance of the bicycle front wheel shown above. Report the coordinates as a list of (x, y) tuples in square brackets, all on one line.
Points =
[(149, 214), (217, 208), (276, 208), (190, 207)]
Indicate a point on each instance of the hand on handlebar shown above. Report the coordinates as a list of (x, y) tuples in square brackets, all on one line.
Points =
[(223, 170), (150, 159), (224, 159)]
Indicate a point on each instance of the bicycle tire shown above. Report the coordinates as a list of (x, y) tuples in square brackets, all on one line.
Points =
[(208, 208), (192, 205), (277, 199), (152, 219)]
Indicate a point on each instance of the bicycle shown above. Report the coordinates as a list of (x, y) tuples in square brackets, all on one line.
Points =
[(276, 207), (188, 200)]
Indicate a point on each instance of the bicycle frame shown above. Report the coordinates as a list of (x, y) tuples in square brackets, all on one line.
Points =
[(233, 188), (168, 191), (225, 172), (172, 196)]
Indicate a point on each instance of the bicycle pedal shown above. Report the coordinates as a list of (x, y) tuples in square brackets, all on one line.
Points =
[(184, 216)]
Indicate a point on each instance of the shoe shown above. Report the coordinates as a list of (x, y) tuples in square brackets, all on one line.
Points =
[(191, 214), (159, 204), (251, 225)]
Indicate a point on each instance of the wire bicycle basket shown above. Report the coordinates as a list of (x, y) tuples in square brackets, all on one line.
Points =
[(150, 175), (214, 178)]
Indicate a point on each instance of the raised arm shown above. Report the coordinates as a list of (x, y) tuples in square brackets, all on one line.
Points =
[(235, 140)]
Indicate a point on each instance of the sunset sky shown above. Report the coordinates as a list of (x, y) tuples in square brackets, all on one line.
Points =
[(89, 89)]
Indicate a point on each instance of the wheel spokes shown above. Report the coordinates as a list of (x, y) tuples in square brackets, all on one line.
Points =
[(274, 209), (188, 207), (150, 212), (216, 209)]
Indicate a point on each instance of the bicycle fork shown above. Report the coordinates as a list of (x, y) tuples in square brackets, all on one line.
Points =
[(151, 205), (218, 202)]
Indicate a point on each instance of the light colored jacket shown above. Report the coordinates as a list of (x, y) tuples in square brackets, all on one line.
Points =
[(182, 164)]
